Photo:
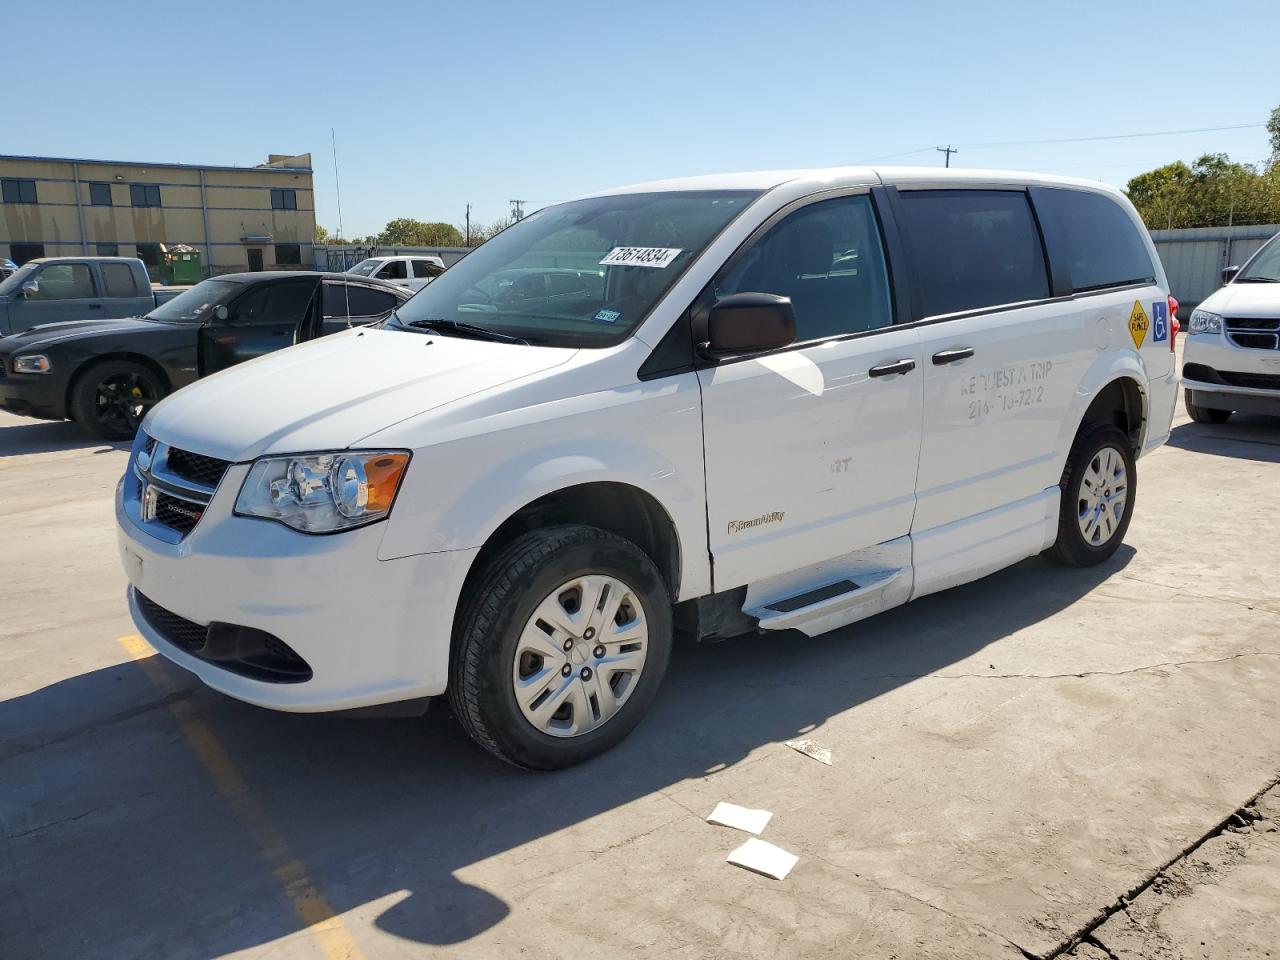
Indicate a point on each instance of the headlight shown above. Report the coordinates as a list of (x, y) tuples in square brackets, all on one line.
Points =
[(1202, 321), (323, 492), (32, 363)]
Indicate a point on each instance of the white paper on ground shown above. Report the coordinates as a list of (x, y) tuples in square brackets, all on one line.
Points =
[(741, 818), (811, 749), (763, 857)]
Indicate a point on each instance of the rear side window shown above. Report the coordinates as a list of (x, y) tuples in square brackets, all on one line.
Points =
[(1100, 243), (364, 302), (118, 280), (425, 268), (973, 249)]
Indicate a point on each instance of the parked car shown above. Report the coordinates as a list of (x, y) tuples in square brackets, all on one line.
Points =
[(106, 374), (1231, 360), (413, 272), (796, 400), (57, 289)]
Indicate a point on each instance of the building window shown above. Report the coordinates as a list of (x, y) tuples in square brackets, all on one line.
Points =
[(284, 199), (144, 195), (289, 253), (99, 194), (20, 253), (18, 191), (149, 253), (108, 249)]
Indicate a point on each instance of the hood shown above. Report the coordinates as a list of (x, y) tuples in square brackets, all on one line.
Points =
[(49, 334), (1245, 300), (329, 393)]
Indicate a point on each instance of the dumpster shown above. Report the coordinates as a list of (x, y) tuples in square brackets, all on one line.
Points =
[(180, 265)]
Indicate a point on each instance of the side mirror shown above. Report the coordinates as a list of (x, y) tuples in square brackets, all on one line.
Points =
[(220, 312), (31, 288), (748, 323), (1229, 274)]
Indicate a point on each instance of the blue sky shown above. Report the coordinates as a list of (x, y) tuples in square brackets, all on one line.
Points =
[(441, 104)]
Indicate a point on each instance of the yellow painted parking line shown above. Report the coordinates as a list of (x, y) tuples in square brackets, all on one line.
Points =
[(310, 905)]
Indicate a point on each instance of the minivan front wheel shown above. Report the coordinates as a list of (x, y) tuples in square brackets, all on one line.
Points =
[(1099, 488), (560, 646)]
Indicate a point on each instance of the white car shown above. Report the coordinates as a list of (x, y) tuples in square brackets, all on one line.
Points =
[(413, 272), (1231, 360), (794, 400)]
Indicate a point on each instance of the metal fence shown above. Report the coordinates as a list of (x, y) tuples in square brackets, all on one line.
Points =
[(1194, 258)]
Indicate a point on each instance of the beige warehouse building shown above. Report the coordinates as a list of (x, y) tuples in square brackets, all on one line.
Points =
[(239, 218)]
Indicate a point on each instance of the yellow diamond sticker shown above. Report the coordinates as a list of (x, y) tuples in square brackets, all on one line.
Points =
[(1138, 323)]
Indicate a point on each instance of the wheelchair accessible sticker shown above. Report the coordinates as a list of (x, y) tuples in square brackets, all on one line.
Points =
[(1159, 321), (1138, 323), (640, 257)]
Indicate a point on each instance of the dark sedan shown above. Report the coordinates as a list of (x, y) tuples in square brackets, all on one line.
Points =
[(105, 374)]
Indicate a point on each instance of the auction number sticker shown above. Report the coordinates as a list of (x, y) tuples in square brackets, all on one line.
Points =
[(640, 257), (1138, 323)]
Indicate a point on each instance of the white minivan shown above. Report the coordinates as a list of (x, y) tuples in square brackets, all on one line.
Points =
[(1231, 360), (793, 400)]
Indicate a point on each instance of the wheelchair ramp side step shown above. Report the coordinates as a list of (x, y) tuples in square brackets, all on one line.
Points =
[(794, 612)]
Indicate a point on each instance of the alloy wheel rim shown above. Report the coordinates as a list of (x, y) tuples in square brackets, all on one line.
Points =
[(580, 656), (123, 400), (1104, 493)]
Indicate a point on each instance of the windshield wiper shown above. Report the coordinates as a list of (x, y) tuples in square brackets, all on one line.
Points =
[(461, 329), (1257, 280)]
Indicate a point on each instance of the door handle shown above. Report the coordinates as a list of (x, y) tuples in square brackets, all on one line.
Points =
[(951, 356), (888, 369)]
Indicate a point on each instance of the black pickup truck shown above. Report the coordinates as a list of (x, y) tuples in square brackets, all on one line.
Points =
[(105, 374)]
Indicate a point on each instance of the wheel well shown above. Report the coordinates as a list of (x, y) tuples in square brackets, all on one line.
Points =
[(1119, 403), (137, 358), (617, 507)]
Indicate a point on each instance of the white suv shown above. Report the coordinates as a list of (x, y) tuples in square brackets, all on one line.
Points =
[(1231, 360), (792, 400)]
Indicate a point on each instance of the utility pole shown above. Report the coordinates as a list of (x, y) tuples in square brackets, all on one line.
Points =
[(468, 224), (517, 209), (948, 150)]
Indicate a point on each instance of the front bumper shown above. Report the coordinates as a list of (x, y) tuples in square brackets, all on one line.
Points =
[(1224, 376), (40, 395), (371, 631)]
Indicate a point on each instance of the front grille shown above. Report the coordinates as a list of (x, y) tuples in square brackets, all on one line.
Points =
[(179, 631), (196, 467), (1254, 333), (181, 515), (1262, 381)]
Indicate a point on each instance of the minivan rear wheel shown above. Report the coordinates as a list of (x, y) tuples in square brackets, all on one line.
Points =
[(1099, 488), (560, 645), (1203, 414)]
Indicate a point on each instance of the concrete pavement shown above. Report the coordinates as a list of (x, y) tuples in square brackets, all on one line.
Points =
[(1010, 759)]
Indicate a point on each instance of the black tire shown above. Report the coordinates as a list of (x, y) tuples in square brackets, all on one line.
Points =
[(110, 398), (1071, 547), (1203, 414), (497, 605)]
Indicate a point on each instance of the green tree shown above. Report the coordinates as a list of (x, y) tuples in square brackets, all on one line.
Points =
[(480, 232), (1273, 131), (405, 232), (322, 235), (1212, 192)]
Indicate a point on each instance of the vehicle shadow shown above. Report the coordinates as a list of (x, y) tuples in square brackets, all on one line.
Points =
[(20, 438), (1244, 436), (386, 815)]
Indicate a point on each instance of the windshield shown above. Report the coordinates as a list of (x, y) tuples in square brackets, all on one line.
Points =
[(196, 304), (14, 282), (580, 274), (365, 267), (1265, 264)]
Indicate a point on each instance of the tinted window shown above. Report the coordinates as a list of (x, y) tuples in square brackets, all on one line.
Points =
[(827, 258), (100, 194), (425, 268), (394, 270), (18, 191), (363, 301), (65, 281), (1101, 244), (144, 195), (275, 303), (118, 280), (289, 253), (973, 249)]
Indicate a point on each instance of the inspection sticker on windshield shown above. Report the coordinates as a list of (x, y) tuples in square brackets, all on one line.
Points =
[(608, 316), (640, 257)]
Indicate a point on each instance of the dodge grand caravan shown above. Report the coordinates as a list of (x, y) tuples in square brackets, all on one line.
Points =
[(795, 400)]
